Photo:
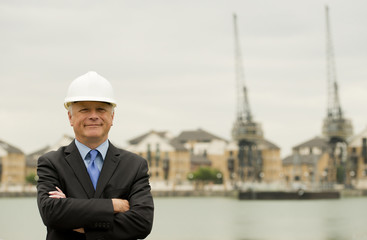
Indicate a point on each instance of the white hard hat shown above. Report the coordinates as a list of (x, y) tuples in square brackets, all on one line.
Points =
[(89, 87)]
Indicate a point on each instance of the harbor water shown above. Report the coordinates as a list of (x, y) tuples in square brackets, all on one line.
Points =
[(220, 218)]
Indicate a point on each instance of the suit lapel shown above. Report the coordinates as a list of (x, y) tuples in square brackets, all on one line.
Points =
[(109, 166), (75, 161)]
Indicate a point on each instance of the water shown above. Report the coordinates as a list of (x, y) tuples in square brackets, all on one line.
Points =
[(19, 219), (219, 218)]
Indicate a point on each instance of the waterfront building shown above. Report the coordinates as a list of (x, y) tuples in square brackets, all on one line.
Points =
[(12, 165), (206, 149), (356, 169), (272, 162), (172, 158), (307, 165), (32, 158), (168, 160), (265, 166)]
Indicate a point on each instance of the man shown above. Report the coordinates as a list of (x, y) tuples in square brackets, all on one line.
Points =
[(90, 189)]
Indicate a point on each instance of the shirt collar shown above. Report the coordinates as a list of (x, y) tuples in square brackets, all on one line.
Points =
[(84, 150)]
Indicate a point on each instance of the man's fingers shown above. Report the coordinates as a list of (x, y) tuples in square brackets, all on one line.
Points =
[(54, 192), (59, 190), (57, 194), (79, 230)]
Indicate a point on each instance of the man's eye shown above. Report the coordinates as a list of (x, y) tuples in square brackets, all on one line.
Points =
[(101, 110), (83, 110)]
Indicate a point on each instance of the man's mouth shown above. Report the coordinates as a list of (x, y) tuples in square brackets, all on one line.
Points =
[(93, 125)]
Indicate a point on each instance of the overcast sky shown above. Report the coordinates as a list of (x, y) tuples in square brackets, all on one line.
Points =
[(172, 65)]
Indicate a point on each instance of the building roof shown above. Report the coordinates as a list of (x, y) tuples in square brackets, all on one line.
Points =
[(197, 135), (266, 144), (177, 145), (301, 159), (9, 148), (32, 158), (314, 142), (356, 140), (63, 141), (166, 137), (141, 137)]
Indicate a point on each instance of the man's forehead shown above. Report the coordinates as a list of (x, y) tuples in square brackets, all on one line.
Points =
[(92, 103)]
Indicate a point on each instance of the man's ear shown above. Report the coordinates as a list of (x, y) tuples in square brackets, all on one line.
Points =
[(113, 116), (70, 119)]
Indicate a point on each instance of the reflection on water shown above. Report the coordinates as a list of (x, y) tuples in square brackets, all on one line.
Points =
[(220, 218)]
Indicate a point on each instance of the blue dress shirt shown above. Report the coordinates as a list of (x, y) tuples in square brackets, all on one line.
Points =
[(84, 150)]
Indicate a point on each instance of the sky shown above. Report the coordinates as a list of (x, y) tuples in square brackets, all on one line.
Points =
[(172, 65)]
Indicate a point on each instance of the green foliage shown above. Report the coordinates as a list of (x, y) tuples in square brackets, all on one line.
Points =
[(31, 178), (340, 174), (207, 174)]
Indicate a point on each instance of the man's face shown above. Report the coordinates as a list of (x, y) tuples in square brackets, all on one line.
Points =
[(91, 121)]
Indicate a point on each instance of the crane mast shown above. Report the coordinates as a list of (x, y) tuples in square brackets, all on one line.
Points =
[(335, 128), (334, 109), (243, 106), (245, 131)]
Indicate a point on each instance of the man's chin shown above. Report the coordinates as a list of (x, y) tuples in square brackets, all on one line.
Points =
[(93, 135)]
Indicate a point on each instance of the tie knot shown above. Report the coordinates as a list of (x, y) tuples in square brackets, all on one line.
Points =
[(93, 154)]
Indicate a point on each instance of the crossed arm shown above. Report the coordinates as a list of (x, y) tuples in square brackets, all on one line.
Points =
[(119, 205)]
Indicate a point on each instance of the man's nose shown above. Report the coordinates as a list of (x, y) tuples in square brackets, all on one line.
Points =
[(93, 114)]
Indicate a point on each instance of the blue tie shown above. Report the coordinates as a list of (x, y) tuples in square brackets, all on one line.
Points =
[(92, 167)]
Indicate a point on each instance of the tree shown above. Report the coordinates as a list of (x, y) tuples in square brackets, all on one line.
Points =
[(340, 174), (31, 178), (207, 174)]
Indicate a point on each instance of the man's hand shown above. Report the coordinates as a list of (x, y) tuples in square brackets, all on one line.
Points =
[(79, 230), (59, 194), (120, 205)]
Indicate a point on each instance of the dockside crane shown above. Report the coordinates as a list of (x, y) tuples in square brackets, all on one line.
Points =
[(246, 132), (336, 128)]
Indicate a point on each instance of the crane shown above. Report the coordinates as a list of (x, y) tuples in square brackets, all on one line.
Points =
[(246, 132), (336, 128)]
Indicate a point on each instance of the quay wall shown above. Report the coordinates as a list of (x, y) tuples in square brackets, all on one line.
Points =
[(181, 193), (195, 193), (186, 193), (353, 192)]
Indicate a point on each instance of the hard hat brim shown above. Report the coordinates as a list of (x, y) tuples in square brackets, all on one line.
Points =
[(69, 101)]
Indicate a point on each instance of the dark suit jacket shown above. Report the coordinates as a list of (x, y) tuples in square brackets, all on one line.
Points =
[(124, 175)]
